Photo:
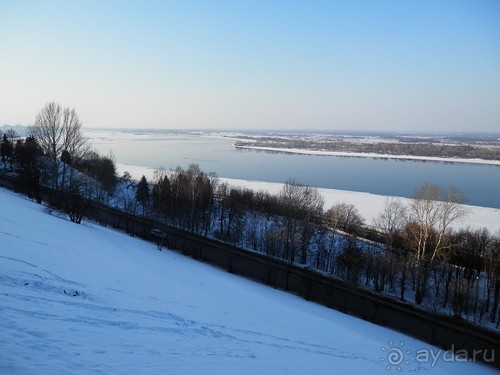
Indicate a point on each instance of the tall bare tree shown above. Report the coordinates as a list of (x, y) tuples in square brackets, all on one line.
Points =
[(301, 206), (59, 130), (391, 220), (161, 190), (429, 217)]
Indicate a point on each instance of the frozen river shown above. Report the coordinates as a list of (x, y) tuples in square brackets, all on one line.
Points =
[(479, 183)]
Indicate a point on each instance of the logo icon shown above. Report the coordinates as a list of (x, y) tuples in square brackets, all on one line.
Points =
[(395, 356)]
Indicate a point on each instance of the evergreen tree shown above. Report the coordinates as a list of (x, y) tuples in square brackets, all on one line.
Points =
[(100, 168), (142, 193), (6, 150), (66, 157), (28, 155)]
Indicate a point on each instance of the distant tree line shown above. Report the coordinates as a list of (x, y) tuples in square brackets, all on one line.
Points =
[(384, 148)]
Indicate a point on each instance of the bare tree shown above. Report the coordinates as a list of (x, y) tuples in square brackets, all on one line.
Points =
[(301, 207), (161, 191), (391, 219), (492, 268), (428, 229), (230, 213), (345, 217), (59, 130), (198, 188), (429, 218)]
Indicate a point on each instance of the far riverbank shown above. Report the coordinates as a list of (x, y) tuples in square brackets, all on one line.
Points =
[(369, 155)]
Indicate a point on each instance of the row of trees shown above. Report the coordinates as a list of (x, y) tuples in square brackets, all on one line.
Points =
[(56, 155), (412, 252), (185, 196)]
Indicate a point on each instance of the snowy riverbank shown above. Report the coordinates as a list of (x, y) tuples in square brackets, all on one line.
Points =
[(371, 155), (369, 205)]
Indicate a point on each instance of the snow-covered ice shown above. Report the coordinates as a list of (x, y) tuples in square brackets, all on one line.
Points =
[(90, 300)]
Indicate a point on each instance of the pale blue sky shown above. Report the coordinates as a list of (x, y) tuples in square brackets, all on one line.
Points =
[(247, 64)]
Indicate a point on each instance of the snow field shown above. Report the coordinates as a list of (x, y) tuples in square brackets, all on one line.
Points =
[(83, 299)]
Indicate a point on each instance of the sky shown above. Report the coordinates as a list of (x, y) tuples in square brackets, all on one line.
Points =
[(409, 65)]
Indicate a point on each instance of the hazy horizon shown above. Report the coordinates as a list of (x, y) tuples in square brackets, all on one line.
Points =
[(278, 65), (360, 132)]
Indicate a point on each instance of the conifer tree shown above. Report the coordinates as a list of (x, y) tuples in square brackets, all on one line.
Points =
[(142, 193), (6, 150)]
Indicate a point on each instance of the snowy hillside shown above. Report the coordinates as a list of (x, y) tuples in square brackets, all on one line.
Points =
[(88, 300)]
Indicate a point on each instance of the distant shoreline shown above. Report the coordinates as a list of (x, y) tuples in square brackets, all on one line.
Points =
[(371, 155)]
